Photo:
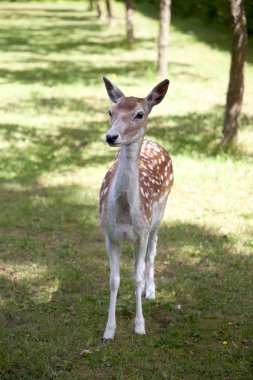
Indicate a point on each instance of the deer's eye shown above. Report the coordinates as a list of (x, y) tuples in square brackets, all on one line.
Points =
[(139, 115), (110, 113)]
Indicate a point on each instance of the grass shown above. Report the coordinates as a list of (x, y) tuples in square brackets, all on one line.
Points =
[(54, 273)]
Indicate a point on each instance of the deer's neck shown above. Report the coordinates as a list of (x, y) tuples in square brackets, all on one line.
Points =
[(126, 184)]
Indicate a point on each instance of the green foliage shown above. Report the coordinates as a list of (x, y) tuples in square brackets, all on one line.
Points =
[(215, 12)]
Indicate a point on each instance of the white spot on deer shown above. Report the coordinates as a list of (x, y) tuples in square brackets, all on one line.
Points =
[(171, 176), (104, 191)]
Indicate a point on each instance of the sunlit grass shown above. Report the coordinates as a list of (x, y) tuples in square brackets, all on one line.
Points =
[(54, 272)]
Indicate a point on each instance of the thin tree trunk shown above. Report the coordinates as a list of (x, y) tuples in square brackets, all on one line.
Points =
[(99, 10), (236, 81), (91, 6), (163, 37), (109, 12), (129, 20)]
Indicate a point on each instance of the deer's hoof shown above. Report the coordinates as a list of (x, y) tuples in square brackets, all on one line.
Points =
[(109, 334), (150, 293), (106, 340), (150, 296), (140, 328)]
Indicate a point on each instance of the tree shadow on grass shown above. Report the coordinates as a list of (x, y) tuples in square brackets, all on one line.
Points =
[(67, 72), (207, 261), (216, 36), (203, 299), (44, 40), (194, 134), (41, 43), (64, 39), (20, 40), (54, 300), (67, 34), (45, 152), (45, 268)]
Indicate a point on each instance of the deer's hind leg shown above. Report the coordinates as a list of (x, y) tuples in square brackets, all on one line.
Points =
[(140, 249), (150, 262)]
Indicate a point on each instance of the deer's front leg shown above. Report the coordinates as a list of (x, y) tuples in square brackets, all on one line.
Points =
[(113, 249), (140, 249)]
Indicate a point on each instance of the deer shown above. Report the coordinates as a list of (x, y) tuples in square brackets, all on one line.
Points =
[(133, 195)]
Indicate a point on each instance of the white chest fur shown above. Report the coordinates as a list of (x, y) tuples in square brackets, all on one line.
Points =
[(123, 214)]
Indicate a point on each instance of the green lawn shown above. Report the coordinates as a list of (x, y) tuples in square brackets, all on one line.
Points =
[(54, 272)]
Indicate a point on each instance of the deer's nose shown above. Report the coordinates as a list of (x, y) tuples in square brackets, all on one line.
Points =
[(110, 139)]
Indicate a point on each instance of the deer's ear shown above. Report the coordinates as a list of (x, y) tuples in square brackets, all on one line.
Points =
[(113, 91), (158, 93)]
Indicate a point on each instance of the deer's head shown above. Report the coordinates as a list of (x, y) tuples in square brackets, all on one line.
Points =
[(129, 114)]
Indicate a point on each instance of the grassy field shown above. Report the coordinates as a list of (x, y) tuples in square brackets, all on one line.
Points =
[(54, 272)]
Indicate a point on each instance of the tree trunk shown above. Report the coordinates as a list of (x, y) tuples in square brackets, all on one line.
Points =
[(163, 37), (109, 12), (236, 81), (129, 20), (99, 10), (91, 5)]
